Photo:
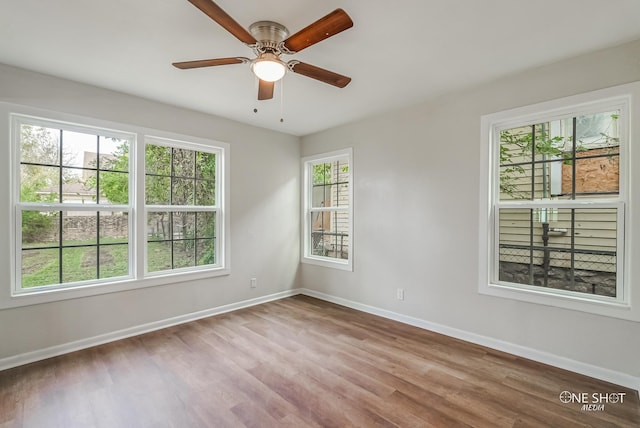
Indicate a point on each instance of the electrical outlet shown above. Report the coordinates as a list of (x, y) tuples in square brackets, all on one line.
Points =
[(254, 282), (400, 294)]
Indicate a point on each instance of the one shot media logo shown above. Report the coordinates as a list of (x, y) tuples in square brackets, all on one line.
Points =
[(592, 401)]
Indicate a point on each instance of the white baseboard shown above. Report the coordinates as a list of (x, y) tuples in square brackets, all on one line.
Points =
[(53, 351), (601, 373), (521, 351)]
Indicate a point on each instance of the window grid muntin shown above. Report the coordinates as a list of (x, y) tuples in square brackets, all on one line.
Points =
[(173, 145), (172, 240), (60, 127), (615, 197), (61, 246), (342, 159)]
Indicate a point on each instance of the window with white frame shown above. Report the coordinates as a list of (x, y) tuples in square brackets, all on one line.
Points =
[(94, 206), (556, 181), (73, 204), (182, 205), (327, 209)]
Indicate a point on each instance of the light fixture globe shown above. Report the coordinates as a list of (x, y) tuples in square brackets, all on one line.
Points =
[(268, 67)]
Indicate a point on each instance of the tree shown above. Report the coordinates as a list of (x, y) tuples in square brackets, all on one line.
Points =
[(518, 144), (38, 146)]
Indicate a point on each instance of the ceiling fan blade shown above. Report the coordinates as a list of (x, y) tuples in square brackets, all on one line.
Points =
[(320, 74), (216, 13), (184, 65), (325, 27), (265, 90)]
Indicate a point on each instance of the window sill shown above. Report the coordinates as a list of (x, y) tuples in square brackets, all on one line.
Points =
[(605, 307), (45, 295), (329, 263)]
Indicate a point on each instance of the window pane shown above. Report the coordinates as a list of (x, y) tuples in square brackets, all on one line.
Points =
[(182, 191), (114, 188), (562, 248), (206, 166), (184, 163), (114, 154), (79, 228), (40, 267), (79, 149), (79, 264), (39, 145), (330, 234), (205, 225), (40, 229), (205, 192), (159, 226), (529, 160), (598, 174), (538, 162), (158, 256), (114, 260), (516, 182), (157, 190), (114, 227), (205, 252), (158, 160), (39, 183), (78, 186), (330, 184), (598, 130), (184, 254), (184, 225)]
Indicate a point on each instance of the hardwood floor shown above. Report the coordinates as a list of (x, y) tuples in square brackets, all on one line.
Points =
[(300, 362)]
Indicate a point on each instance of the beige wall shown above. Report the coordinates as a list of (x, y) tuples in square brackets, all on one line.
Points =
[(416, 186)]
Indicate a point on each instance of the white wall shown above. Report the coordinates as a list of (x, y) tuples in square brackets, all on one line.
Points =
[(416, 217), (265, 174)]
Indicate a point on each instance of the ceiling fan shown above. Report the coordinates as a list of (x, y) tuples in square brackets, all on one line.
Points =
[(269, 40)]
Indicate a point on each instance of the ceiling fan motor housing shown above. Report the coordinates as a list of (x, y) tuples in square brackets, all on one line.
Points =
[(268, 34)]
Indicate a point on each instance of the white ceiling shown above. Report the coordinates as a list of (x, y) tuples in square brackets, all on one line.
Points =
[(397, 53)]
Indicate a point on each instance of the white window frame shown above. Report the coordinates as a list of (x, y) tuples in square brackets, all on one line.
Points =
[(622, 98), (17, 120), (216, 208), (307, 182), (12, 295)]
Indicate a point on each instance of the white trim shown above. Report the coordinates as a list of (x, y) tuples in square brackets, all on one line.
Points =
[(624, 98), (306, 208), (9, 298), (53, 351), (579, 367)]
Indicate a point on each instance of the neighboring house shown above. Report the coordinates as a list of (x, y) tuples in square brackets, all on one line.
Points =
[(546, 250)]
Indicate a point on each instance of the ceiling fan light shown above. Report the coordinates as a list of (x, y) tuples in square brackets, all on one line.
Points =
[(268, 68)]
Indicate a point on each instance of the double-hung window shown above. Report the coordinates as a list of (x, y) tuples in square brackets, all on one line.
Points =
[(99, 210), (327, 209), (556, 177), (182, 206), (73, 204)]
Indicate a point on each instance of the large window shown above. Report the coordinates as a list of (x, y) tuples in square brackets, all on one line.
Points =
[(114, 209), (73, 221), (327, 197), (557, 187)]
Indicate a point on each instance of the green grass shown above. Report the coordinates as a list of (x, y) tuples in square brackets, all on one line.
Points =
[(42, 267)]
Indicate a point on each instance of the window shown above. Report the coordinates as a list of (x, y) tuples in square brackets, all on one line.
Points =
[(328, 216), (115, 209), (74, 223), (557, 194), (182, 206)]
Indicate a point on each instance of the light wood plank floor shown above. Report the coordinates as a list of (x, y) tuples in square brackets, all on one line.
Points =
[(299, 362)]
